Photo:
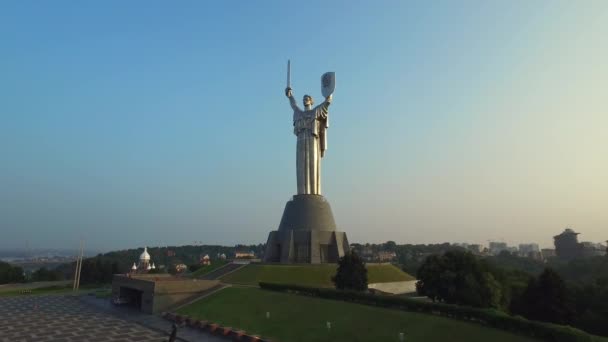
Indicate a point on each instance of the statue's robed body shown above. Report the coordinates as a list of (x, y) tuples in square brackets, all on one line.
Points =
[(310, 126)]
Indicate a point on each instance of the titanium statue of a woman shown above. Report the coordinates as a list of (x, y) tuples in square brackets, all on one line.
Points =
[(307, 232), (310, 126)]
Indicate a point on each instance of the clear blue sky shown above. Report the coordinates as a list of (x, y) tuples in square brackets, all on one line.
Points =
[(152, 123)]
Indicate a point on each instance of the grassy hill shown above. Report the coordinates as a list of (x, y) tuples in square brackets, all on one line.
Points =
[(299, 318), (309, 275)]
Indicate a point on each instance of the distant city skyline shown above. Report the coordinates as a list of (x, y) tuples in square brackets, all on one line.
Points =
[(153, 124)]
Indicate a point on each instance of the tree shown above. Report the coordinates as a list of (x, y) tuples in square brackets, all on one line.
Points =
[(10, 274), (429, 275), (351, 273), (390, 246), (546, 299), (458, 277), (591, 302)]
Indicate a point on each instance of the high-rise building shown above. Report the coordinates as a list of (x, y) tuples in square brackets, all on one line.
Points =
[(567, 246), (497, 247)]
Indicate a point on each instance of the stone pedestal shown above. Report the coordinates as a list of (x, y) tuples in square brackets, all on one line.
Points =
[(307, 233)]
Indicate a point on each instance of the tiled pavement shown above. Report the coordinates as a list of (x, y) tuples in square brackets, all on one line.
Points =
[(67, 318), (151, 321)]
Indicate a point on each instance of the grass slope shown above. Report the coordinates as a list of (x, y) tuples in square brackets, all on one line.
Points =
[(309, 275), (299, 318), (386, 273)]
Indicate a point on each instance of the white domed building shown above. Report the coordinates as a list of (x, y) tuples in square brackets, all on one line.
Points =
[(145, 263), (206, 260)]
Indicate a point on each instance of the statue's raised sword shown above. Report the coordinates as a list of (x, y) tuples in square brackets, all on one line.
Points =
[(288, 73)]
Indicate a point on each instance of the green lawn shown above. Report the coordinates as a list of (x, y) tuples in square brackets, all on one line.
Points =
[(309, 275), (208, 268), (300, 318)]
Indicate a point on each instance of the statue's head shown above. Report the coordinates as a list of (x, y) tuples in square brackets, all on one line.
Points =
[(308, 101)]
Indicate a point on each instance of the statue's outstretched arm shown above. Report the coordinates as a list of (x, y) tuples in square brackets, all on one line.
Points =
[(324, 107), (292, 102)]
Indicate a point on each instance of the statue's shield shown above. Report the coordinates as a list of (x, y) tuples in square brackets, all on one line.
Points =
[(328, 83)]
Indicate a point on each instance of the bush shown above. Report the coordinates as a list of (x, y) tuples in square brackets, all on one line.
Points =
[(488, 317)]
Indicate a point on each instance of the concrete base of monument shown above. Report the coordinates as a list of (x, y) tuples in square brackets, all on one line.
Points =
[(307, 233), (305, 246)]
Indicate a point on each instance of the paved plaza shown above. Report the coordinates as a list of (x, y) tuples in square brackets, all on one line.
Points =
[(66, 318)]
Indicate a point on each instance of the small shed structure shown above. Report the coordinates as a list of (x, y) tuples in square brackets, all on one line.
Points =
[(152, 293)]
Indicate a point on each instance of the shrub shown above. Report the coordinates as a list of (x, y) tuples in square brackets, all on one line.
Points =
[(351, 273)]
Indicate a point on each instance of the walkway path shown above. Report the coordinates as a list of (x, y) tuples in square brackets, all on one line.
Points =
[(201, 296), (222, 271), (149, 321)]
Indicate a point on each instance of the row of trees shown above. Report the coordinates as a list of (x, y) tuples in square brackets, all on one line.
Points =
[(461, 278), (10, 273), (43, 274), (15, 274)]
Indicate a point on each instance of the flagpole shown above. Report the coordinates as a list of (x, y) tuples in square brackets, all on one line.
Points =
[(79, 265), (76, 269)]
